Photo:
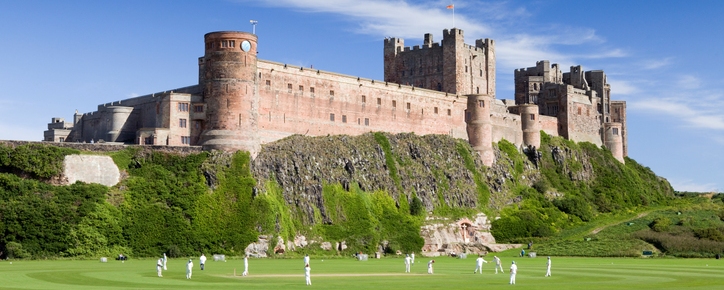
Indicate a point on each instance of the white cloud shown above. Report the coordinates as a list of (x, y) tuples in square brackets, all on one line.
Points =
[(692, 186), (655, 64), (620, 87), (689, 82), (700, 116), (407, 19)]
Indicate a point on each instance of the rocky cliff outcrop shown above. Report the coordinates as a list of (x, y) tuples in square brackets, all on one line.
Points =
[(430, 166)]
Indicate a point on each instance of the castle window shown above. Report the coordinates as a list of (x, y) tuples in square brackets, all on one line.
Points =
[(311, 91), (268, 84), (197, 124), (481, 72), (435, 110), (224, 43), (185, 140), (394, 104), (379, 101), (466, 68), (449, 112), (331, 94), (532, 117), (364, 99), (301, 90), (481, 103), (232, 43), (182, 123), (289, 88), (403, 73), (408, 106), (183, 107), (615, 131), (588, 112), (579, 111), (367, 121), (198, 109), (344, 118), (331, 117), (477, 90), (61, 139)]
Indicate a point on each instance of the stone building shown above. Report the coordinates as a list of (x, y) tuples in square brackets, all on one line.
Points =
[(241, 102)]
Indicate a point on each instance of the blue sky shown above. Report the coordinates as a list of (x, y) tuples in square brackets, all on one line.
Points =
[(663, 57)]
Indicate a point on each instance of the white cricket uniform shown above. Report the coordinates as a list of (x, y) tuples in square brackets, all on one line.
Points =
[(164, 261), (429, 267), (246, 267), (479, 265), (412, 256), (548, 265), (159, 267), (306, 260), (189, 269), (408, 260), (307, 275), (202, 261), (513, 271), (498, 265)]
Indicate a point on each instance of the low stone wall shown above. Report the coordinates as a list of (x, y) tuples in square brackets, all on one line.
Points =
[(108, 147)]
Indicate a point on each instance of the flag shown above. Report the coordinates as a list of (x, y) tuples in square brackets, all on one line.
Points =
[(451, 6)]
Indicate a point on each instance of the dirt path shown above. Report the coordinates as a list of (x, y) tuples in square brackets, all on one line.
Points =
[(598, 229)]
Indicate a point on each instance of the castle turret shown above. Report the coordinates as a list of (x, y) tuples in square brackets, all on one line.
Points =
[(479, 127), (613, 140), (530, 124), (229, 68), (117, 117)]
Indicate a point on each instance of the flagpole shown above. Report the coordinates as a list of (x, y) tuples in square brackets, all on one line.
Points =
[(453, 15)]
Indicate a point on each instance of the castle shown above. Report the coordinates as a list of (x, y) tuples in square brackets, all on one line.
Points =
[(242, 102)]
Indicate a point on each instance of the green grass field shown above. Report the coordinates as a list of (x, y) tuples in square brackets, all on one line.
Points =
[(387, 273)]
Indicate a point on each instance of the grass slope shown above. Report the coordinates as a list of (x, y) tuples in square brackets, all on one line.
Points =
[(568, 273)]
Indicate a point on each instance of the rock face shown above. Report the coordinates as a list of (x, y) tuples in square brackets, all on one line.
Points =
[(445, 237), (428, 165), (258, 249), (91, 169)]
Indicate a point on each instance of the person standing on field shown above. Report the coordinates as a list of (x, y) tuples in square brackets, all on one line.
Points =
[(189, 268), (429, 266), (306, 259), (548, 265), (159, 266), (307, 274), (479, 264), (408, 260), (202, 261), (246, 266), (498, 265), (412, 257), (513, 271), (164, 261)]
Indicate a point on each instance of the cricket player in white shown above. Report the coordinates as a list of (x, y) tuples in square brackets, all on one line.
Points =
[(407, 264), (189, 268), (479, 264), (429, 266), (498, 265), (164, 261), (548, 264), (202, 261), (246, 266), (306, 259), (159, 267), (412, 256), (513, 271), (307, 274)]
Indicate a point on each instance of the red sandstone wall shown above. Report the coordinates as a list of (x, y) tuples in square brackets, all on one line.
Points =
[(283, 112)]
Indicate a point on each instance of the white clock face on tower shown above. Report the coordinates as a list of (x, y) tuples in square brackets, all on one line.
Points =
[(245, 45)]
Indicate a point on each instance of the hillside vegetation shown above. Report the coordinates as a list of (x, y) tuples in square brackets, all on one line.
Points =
[(371, 192)]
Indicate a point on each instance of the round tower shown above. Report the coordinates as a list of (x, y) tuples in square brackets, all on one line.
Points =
[(229, 70), (117, 117), (530, 124), (479, 127), (613, 140)]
